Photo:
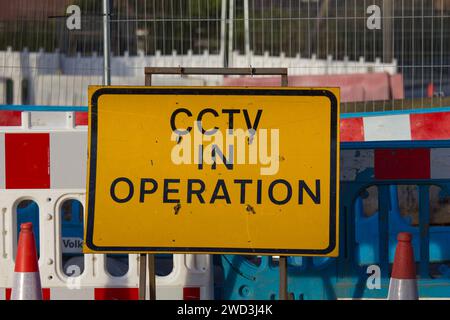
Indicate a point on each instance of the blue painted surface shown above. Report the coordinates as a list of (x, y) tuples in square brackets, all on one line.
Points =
[(393, 112), (395, 144), (72, 220), (28, 211), (20, 107)]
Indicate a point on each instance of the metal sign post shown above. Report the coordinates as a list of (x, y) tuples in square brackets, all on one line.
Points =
[(143, 258), (142, 275), (151, 276), (106, 44), (283, 278), (283, 259)]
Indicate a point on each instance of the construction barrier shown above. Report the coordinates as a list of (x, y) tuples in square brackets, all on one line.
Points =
[(91, 278), (42, 179), (376, 179), (375, 176)]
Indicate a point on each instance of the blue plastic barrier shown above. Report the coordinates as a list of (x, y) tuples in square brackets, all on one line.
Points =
[(364, 241)]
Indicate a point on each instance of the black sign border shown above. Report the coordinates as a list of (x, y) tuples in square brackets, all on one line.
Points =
[(212, 91)]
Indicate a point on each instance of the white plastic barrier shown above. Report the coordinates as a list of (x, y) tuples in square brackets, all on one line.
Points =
[(53, 173)]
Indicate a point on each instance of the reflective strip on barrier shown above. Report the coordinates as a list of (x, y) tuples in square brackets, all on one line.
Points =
[(355, 163), (401, 164), (395, 164), (430, 126), (10, 118), (440, 163), (352, 129), (47, 119), (81, 118), (385, 128), (116, 294)]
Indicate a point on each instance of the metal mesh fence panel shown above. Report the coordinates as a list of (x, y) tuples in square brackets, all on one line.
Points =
[(44, 61)]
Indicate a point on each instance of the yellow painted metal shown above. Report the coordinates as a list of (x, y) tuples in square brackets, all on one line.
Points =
[(132, 147)]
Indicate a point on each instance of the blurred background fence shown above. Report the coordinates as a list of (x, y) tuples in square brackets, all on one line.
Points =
[(384, 54)]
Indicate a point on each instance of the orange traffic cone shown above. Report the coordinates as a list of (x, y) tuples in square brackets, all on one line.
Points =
[(27, 282), (403, 284)]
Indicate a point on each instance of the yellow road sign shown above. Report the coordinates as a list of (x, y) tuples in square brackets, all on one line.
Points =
[(213, 170)]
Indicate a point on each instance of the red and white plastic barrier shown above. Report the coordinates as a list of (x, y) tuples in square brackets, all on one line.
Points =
[(43, 158), (416, 126), (189, 271)]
